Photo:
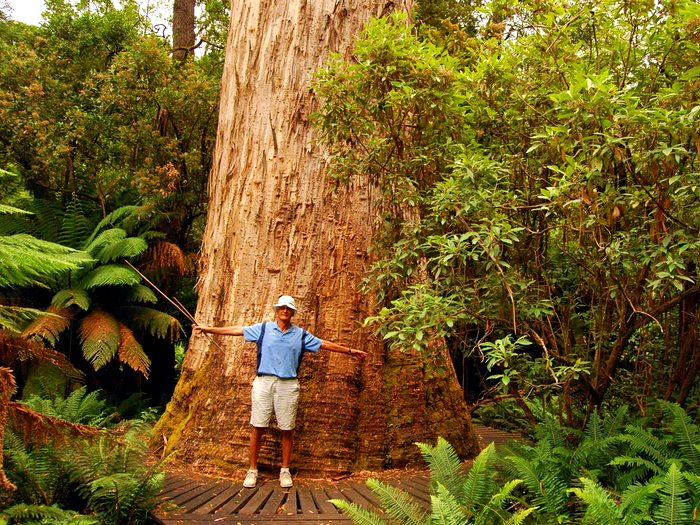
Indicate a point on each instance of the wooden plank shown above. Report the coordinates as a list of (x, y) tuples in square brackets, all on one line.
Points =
[(307, 505), (290, 507), (213, 490), (235, 503), (278, 496), (353, 496), (187, 495), (258, 500), (220, 499), (178, 488), (421, 497), (321, 498), (194, 519), (366, 492)]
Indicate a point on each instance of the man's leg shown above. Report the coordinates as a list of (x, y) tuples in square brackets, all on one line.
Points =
[(256, 434), (287, 443)]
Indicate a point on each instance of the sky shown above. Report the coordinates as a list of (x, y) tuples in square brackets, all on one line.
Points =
[(27, 11)]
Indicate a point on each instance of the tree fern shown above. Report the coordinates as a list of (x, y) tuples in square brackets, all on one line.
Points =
[(75, 226), (131, 352), (28, 261), (112, 219), (155, 322), (110, 275), (141, 294), (99, 337), (72, 297), (49, 326)]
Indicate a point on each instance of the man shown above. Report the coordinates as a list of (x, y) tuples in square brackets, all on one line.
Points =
[(281, 346)]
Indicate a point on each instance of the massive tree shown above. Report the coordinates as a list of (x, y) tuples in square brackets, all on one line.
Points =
[(276, 225)]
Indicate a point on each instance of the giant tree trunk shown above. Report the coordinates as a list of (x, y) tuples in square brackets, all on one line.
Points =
[(276, 227)]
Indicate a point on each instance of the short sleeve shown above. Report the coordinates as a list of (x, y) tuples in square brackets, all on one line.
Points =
[(311, 342), (252, 333)]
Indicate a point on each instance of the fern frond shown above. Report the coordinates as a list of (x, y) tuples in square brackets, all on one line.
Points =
[(155, 322), (477, 487), (23, 513), (637, 500), (445, 509), (13, 318), (445, 465), (105, 238), (637, 461), (11, 210), (674, 507), (165, 256), (686, 435), (112, 219), (79, 407), (28, 261), (15, 348), (643, 442), (99, 336), (50, 326), (131, 353), (72, 297), (398, 504), (358, 515), (495, 506), (125, 248), (110, 275), (546, 485), (75, 226), (600, 508), (616, 424), (141, 294)]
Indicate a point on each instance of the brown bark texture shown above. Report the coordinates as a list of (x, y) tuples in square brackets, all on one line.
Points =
[(276, 226), (183, 29)]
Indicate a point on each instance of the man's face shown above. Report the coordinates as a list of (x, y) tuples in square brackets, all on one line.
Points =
[(284, 313)]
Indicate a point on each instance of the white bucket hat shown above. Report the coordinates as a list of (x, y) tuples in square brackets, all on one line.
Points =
[(285, 300)]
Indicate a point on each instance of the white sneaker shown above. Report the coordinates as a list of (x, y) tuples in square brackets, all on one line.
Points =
[(251, 479), (285, 479)]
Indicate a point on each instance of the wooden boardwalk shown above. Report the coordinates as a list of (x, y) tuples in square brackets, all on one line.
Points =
[(189, 501)]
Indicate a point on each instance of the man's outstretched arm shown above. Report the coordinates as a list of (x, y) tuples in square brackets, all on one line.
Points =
[(219, 330), (334, 347)]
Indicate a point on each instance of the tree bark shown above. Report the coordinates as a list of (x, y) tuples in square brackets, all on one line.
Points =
[(183, 29), (276, 226)]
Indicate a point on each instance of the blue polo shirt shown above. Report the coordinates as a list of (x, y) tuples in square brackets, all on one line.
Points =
[(280, 354)]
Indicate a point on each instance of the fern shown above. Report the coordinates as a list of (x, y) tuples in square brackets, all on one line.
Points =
[(28, 261), (75, 226), (398, 504), (141, 294), (359, 515), (674, 506), (49, 326), (477, 487), (131, 353), (112, 219), (445, 465), (72, 297), (155, 322), (125, 248), (110, 275), (686, 435), (13, 318), (79, 407), (23, 513), (445, 509), (100, 336)]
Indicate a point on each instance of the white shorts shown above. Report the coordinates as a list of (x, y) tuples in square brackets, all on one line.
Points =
[(271, 393)]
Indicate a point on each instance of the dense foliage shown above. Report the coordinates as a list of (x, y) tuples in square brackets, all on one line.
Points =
[(618, 471), (540, 184)]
